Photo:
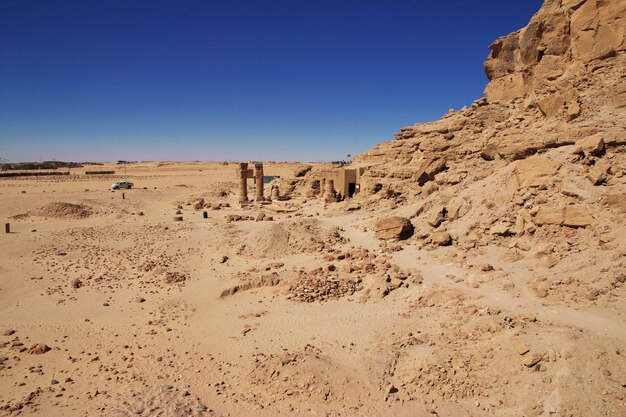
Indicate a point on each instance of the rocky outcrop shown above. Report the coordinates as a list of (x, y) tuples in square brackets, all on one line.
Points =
[(557, 81), (552, 51), (541, 154)]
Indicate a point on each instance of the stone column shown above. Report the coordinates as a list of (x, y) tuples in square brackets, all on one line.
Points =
[(275, 193), (322, 187), (330, 196), (258, 173), (243, 182)]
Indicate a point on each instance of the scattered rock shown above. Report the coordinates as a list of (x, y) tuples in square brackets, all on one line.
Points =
[(532, 360), (520, 347), (175, 277), (39, 349)]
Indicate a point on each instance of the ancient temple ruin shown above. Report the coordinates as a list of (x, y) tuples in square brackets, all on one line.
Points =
[(345, 182), (243, 173)]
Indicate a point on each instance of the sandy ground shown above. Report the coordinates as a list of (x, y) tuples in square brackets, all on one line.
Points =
[(306, 314)]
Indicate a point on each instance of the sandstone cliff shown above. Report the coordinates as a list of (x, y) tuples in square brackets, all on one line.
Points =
[(539, 157), (559, 79)]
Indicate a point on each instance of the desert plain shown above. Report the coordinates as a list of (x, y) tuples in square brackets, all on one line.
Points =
[(307, 313)]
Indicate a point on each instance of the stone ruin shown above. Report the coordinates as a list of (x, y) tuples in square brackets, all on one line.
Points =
[(329, 195), (334, 185), (340, 183), (275, 192), (243, 173)]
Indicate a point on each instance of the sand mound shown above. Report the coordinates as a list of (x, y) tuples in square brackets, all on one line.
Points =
[(306, 375), (60, 211), (65, 210), (298, 236), (272, 239), (219, 190)]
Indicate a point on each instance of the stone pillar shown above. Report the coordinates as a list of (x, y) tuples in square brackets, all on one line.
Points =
[(258, 173), (322, 187), (243, 182), (330, 196), (275, 193)]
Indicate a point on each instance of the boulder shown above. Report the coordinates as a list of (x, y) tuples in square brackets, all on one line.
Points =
[(617, 201), (457, 208), (572, 216), (598, 173), (437, 216), (198, 204), (535, 171), (560, 102), (576, 216), (520, 347), (500, 230), (525, 215), (532, 360), (596, 177), (429, 188), (441, 239), (550, 215), (520, 226), (301, 170), (395, 227), (571, 189), (39, 349), (428, 170), (507, 88), (593, 145)]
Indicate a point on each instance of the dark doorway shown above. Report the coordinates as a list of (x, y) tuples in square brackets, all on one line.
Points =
[(351, 189)]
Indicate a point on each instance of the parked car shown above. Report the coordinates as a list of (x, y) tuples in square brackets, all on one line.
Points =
[(121, 185)]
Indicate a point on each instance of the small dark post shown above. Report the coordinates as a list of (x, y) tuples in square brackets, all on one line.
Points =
[(205, 214), (123, 196), (7, 228)]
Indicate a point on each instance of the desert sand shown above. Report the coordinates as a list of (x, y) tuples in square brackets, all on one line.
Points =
[(308, 313), (479, 272)]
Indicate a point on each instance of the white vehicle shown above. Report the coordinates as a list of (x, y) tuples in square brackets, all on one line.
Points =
[(122, 185)]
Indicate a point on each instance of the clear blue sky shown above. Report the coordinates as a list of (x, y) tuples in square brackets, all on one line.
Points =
[(236, 80)]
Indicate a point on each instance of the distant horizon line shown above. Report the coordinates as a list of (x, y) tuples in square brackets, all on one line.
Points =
[(123, 162)]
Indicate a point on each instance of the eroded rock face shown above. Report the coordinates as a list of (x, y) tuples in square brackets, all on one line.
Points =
[(552, 83), (540, 153), (561, 37)]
